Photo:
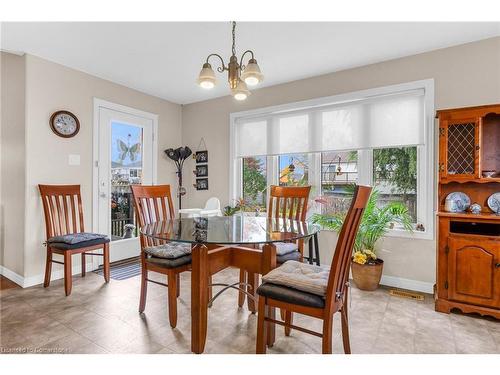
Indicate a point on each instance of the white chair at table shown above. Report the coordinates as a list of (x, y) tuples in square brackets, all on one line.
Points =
[(212, 208)]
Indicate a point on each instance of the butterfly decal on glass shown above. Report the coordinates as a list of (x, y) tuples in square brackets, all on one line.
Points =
[(125, 149)]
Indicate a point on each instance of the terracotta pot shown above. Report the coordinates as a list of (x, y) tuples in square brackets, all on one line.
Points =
[(367, 276)]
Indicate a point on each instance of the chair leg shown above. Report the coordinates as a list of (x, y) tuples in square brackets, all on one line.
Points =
[(106, 262), (48, 268), (271, 327), (178, 277), (261, 327), (83, 264), (172, 299), (344, 315), (241, 295), (282, 314), (253, 282), (345, 331), (67, 273), (144, 287), (327, 335), (288, 320), (210, 292)]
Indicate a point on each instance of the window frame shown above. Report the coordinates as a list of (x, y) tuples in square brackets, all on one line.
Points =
[(426, 171)]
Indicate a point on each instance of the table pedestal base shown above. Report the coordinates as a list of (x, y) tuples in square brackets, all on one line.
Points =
[(207, 262)]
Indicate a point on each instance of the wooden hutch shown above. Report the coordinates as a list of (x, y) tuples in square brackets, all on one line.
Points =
[(468, 253)]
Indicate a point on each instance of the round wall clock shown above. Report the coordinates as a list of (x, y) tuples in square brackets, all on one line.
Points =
[(64, 124)]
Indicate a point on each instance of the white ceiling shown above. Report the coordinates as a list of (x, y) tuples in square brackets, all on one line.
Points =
[(163, 59)]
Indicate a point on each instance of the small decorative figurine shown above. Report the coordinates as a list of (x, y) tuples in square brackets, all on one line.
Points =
[(475, 208)]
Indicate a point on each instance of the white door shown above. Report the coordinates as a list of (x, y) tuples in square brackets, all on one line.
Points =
[(125, 156)]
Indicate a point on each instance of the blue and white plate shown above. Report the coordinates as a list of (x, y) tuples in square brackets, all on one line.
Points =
[(457, 202), (494, 203)]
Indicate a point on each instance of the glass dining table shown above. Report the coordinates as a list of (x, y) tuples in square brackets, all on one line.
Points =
[(218, 242)]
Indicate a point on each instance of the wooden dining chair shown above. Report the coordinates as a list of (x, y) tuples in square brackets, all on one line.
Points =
[(285, 202), (292, 298), (63, 211), (154, 204)]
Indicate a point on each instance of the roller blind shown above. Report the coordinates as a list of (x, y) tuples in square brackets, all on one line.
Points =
[(387, 121)]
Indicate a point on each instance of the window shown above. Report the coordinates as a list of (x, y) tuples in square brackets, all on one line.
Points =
[(254, 183), (380, 137), (293, 170), (395, 177), (339, 171)]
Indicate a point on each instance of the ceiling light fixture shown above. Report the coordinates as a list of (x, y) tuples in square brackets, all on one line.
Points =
[(239, 75)]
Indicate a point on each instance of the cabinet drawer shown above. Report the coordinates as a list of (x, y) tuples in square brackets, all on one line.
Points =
[(471, 227)]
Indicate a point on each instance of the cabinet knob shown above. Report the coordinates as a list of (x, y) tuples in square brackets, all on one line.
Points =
[(497, 265)]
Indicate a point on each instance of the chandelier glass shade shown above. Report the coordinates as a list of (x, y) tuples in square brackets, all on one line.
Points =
[(207, 79), (239, 75)]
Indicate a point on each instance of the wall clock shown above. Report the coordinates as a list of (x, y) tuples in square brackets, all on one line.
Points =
[(64, 124)]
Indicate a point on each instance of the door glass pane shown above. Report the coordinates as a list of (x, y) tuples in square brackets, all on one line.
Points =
[(294, 170), (339, 173), (126, 169), (254, 183)]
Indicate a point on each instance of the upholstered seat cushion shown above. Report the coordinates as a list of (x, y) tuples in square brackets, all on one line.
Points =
[(77, 240), (280, 259), (171, 250), (283, 248), (290, 295), (301, 276), (169, 263)]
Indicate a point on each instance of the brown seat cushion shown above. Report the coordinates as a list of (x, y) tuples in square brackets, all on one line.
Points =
[(290, 295), (169, 263)]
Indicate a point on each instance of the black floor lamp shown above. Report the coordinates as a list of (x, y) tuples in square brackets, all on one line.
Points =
[(179, 155)]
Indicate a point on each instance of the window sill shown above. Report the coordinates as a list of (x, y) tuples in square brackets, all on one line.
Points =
[(415, 235)]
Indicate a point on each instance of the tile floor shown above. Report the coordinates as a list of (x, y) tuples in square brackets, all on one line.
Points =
[(100, 318)]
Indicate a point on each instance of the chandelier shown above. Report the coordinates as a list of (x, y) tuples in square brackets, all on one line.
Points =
[(239, 75)]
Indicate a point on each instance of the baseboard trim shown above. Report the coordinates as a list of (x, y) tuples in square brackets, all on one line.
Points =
[(397, 282), (12, 276), (27, 282), (415, 285)]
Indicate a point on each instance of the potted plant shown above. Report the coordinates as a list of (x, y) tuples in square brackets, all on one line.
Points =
[(376, 221)]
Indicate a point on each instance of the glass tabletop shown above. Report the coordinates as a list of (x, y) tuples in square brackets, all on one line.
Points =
[(228, 230)]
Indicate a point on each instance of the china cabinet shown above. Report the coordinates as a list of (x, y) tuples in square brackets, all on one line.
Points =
[(468, 246)]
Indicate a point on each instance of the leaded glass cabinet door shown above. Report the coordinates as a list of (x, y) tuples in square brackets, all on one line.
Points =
[(459, 149)]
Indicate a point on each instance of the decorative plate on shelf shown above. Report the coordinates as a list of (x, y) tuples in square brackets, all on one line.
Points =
[(494, 202), (457, 202)]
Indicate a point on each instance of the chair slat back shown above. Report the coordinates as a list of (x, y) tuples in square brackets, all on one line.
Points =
[(339, 270), (62, 208), (152, 204), (288, 202)]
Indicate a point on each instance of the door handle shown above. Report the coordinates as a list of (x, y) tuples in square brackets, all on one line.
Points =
[(102, 195)]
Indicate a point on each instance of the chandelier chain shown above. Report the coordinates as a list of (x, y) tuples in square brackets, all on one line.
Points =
[(234, 39)]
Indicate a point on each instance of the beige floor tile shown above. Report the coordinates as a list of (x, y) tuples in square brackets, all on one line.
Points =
[(101, 318), (72, 344)]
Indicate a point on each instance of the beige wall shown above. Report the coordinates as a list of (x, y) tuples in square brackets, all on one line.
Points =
[(31, 154), (12, 162), (50, 87), (464, 75)]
